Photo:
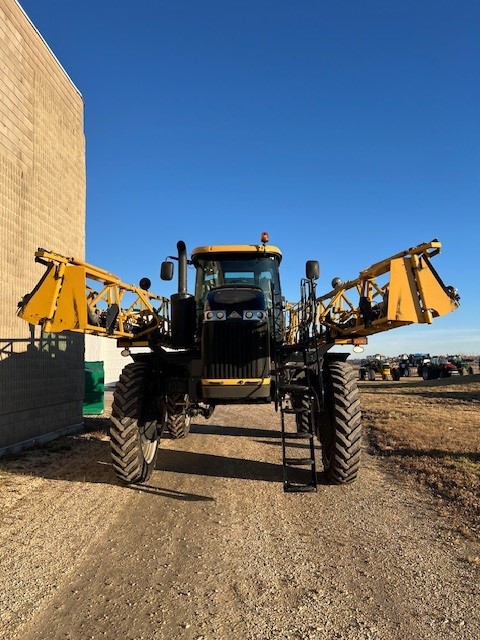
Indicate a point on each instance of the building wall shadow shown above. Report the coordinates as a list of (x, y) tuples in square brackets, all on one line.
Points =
[(41, 387)]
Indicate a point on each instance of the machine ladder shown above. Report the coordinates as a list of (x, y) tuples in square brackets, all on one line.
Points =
[(298, 446)]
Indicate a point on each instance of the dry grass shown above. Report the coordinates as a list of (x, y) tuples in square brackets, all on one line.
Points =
[(432, 430)]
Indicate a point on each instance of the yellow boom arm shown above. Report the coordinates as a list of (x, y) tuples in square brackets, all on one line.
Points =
[(397, 291), (66, 299)]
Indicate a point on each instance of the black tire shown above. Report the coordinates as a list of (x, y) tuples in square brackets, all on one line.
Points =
[(396, 374), (371, 375), (341, 432), (178, 416), (425, 374), (134, 433), (302, 420)]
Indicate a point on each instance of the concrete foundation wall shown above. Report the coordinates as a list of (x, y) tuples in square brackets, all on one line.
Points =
[(42, 204)]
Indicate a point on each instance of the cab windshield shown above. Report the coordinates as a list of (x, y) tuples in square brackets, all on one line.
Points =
[(219, 270)]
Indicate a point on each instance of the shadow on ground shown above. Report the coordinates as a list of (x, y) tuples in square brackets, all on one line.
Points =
[(219, 430), (85, 458)]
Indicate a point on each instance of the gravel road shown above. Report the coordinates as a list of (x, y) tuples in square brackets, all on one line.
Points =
[(211, 548)]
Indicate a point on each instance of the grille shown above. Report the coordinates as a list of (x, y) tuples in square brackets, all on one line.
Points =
[(235, 350)]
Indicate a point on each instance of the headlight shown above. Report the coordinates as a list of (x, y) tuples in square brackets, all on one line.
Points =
[(254, 315), (214, 315)]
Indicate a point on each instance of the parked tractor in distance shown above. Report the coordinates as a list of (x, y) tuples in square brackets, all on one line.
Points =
[(464, 364), (418, 360), (236, 340), (402, 368), (439, 367), (374, 365)]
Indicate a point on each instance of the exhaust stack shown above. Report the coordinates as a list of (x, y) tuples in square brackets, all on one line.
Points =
[(182, 268), (183, 307)]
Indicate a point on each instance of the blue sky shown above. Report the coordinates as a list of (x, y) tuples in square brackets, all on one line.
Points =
[(348, 130)]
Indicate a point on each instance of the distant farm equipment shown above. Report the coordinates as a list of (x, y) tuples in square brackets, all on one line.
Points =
[(439, 367), (416, 364), (464, 364), (402, 369), (374, 365)]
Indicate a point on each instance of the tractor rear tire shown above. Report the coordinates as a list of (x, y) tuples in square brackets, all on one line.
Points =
[(134, 433), (371, 375), (178, 417), (341, 434)]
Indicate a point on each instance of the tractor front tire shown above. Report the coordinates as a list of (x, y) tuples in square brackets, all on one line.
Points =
[(134, 434), (178, 416), (341, 434)]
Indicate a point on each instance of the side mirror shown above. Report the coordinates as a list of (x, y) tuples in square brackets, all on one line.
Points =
[(312, 269), (166, 271)]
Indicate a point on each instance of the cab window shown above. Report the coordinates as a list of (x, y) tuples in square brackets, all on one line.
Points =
[(260, 272)]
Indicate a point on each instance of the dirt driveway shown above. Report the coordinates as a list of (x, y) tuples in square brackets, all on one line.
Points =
[(211, 548)]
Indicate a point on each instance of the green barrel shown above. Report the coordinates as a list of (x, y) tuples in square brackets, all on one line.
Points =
[(93, 403)]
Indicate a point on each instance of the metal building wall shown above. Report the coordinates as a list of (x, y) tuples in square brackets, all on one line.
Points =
[(42, 204)]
